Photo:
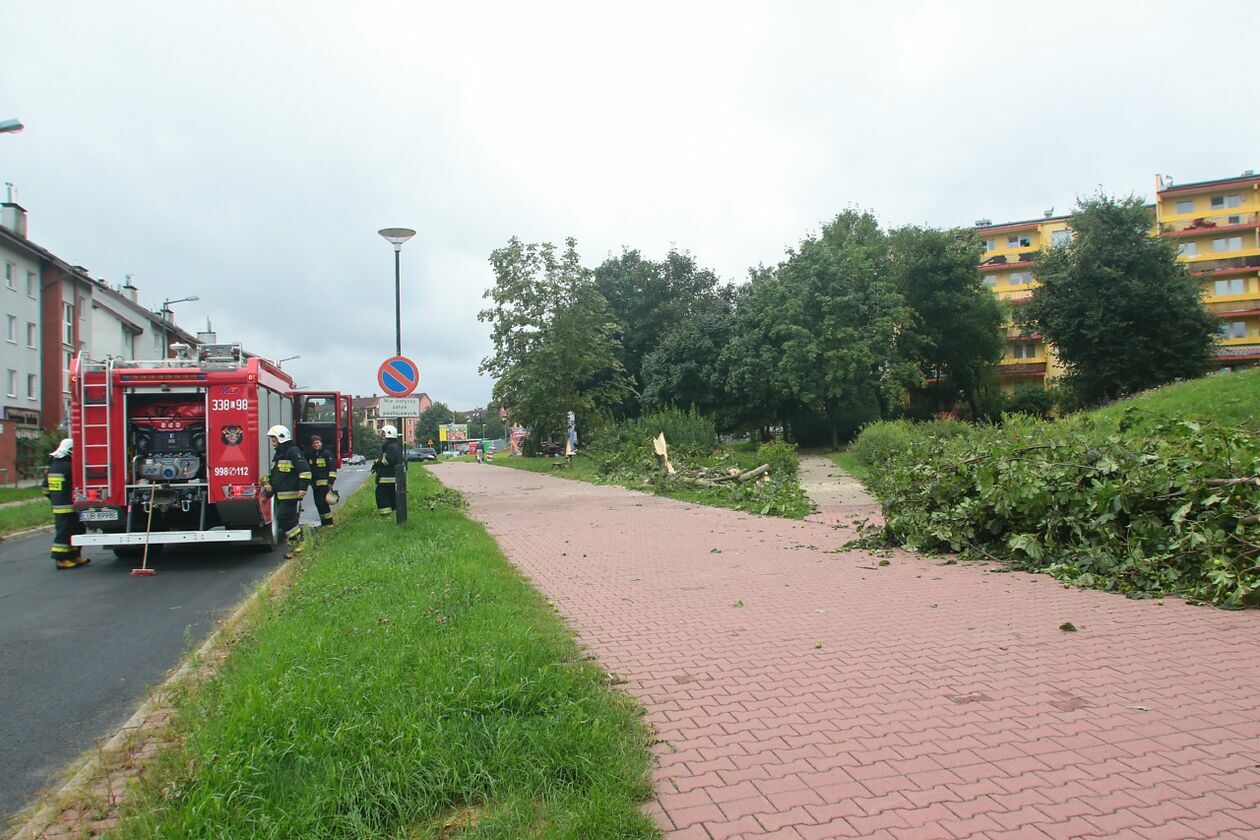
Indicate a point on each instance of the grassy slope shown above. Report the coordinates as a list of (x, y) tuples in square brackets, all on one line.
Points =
[(17, 494), (851, 465), (1231, 399), (411, 685), (23, 517)]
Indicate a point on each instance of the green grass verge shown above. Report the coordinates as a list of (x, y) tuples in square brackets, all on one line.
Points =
[(410, 685), (850, 464), (25, 517), (17, 494), (583, 468), (1231, 399)]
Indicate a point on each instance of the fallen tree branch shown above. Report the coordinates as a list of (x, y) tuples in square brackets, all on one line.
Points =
[(1232, 482), (987, 455), (751, 474)]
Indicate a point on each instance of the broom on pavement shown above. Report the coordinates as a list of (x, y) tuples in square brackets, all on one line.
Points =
[(148, 529)]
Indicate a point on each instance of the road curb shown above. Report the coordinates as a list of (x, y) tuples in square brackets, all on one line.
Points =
[(30, 532), (49, 812)]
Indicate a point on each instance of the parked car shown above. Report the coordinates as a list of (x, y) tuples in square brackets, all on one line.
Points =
[(356, 459), (422, 453)]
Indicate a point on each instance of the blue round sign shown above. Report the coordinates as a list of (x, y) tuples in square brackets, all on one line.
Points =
[(398, 376)]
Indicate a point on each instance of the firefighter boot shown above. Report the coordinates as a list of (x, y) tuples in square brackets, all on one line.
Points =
[(65, 564), (81, 560)]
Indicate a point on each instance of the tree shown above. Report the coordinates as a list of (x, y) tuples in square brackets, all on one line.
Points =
[(1121, 312), (437, 414), (839, 324), (556, 344), (957, 333), (684, 369), (650, 299), (747, 364), (367, 441)]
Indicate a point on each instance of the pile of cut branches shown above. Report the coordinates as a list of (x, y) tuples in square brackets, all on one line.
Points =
[(1170, 507)]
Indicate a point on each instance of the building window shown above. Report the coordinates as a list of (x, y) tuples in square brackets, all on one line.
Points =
[(65, 374), (1186, 249), (1019, 241), (1060, 238), (990, 280), (1227, 243), (67, 314), (32, 335), (31, 384), (990, 244), (31, 286), (1220, 202), (8, 276), (12, 383), (11, 335), (1237, 286), (1234, 329), (1020, 278), (1024, 351), (1186, 206), (1234, 220)]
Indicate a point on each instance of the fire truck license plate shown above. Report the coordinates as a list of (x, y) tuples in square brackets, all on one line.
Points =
[(99, 515)]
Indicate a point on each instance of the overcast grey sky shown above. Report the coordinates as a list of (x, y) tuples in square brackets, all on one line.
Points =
[(248, 151)]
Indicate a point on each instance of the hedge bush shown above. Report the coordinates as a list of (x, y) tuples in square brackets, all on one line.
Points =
[(880, 442)]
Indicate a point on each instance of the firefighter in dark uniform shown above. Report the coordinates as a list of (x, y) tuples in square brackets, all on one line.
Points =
[(290, 476), (323, 477), (384, 467), (59, 487)]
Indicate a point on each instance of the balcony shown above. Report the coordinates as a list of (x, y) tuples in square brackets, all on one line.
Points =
[(1227, 266), (1020, 368), (1205, 225), (1238, 352), (1230, 314)]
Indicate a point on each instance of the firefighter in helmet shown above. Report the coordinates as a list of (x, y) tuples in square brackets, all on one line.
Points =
[(385, 468), (290, 476), (323, 476), (59, 487)]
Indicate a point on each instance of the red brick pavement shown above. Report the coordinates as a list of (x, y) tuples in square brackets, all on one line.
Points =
[(801, 692)]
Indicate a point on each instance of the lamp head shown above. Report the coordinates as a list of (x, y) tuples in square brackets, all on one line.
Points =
[(396, 236)]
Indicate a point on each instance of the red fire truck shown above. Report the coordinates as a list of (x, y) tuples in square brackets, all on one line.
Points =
[(173, 451)]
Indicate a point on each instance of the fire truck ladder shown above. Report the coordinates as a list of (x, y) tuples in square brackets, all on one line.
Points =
[(96, 450)]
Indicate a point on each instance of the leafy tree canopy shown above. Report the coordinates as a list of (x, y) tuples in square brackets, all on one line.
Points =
[(650, 299), (1122, 313), (556, 345), (957, 333)]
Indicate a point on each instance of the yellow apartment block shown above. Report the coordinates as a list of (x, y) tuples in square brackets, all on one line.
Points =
[(1216, 225), (1007, 269)]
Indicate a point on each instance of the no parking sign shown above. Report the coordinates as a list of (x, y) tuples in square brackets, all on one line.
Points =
[(398, 376)]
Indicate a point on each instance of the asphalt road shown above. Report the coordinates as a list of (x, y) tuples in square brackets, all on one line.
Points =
[(79, 648)]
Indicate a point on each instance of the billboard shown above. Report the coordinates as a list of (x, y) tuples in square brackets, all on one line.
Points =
[(453, 432)]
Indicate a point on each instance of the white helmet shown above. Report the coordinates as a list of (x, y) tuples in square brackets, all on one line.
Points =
[(390, 432), (63, 449), (280, 433)]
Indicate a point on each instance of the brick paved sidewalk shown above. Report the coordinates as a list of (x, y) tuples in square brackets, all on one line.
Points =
[(803, 693)]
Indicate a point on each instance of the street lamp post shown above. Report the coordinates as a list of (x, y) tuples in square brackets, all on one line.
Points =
[(166, 314), (396, 237)]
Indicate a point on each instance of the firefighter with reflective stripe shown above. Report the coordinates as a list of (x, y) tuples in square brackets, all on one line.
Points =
[(290, 476), (59, 487), (385, 468), (323, 476)]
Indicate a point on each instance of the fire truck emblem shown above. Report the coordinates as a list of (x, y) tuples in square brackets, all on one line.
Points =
[(232, 435)]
